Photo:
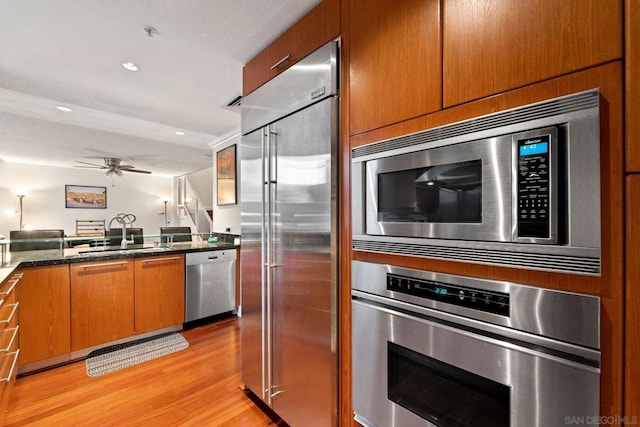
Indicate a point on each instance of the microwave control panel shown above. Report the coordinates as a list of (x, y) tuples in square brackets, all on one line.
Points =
[(478, 299), (535, 186)]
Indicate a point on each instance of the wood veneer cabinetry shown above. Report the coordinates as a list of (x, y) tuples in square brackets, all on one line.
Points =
[(491, 46), (632, 84), (395, 61), (313, 30), (159, 292), (632, 309), (44, 313), (101, 302), (9, 341)]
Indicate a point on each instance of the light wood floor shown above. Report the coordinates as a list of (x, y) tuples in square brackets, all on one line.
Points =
[(198, 386)]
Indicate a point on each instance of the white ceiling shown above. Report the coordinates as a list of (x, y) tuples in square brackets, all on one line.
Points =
[(68, 52)]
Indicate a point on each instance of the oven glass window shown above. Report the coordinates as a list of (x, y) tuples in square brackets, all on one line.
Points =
[(444, 193), (443, 394)]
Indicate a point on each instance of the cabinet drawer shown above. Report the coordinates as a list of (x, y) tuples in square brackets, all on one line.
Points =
[(8, 340), (8, 372), (8, 315), (7, 291), (313, 30)]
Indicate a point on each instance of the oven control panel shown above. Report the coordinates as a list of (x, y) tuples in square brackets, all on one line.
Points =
[(478, 299)]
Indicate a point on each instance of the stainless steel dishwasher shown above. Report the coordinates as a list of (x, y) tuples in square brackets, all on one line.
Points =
[(210, 283)]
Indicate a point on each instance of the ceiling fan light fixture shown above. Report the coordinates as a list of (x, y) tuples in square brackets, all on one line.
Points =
[(130, 66)]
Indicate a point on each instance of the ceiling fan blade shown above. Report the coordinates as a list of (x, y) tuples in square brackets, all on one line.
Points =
[(89, 167), (90, 164), (135, 170)]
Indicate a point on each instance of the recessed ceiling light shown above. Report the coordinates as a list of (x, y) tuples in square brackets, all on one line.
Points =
[(179, 132), (130, 66), (63, 108)]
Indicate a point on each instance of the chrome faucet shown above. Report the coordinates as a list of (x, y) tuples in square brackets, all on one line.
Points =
[(123, 223), (122, 219)]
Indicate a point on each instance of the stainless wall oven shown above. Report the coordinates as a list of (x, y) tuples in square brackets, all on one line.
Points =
[(431, 349), (524, 181)]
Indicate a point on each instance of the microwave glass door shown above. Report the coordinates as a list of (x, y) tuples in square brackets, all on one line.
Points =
[(446, 193), (461, 191)]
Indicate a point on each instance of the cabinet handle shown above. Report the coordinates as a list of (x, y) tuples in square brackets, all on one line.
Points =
[(10, 316), (279, 63), (103, 264), (8, 291), (159, 259), (13, 366), (13, 338)]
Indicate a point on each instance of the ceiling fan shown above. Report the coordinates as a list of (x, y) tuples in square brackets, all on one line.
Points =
[(113, 166)]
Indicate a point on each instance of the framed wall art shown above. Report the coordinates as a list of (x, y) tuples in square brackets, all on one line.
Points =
[(226, 176), (84, 196)]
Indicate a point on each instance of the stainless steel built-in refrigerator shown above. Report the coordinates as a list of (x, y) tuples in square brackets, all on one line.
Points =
[(289, 231)]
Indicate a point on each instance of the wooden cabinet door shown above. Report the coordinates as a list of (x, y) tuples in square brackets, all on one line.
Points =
[(395, 61), (632, 84), (44, 298), (319, 26), (159, 292), (632, 298), (101, 302), (491, 46)]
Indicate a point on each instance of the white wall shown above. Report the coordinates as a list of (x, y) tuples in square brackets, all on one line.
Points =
[(202, 183), (226, 217), (44, 206)]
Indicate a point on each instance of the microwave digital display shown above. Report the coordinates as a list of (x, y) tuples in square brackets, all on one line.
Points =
[(534, 148)]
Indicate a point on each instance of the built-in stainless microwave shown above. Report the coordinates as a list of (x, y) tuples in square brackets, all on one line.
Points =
[(522, 181)]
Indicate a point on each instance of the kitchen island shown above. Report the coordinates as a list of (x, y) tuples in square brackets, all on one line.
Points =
[(76, 300)]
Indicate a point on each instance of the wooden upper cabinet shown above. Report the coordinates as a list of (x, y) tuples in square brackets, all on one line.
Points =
[(491, 46), (632, 84), (395, 61), (313, 30), (159, 292), (101, 302), (43, 293)]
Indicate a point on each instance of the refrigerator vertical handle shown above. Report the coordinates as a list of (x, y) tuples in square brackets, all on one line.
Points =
[(266, 273), (269, 242), (273, 156)]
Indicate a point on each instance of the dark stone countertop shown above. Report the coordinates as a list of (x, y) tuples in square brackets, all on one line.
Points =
[(75, 255)]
